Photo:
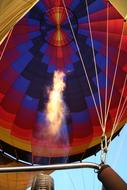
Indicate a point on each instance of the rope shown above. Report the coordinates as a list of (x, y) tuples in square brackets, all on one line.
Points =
[(107, 63), (115, 73), (4, 48), (74, 187), (77, 46), (119, 114), (95, 63), (95, 161), (83, 180), (120, 102), (123, 110)]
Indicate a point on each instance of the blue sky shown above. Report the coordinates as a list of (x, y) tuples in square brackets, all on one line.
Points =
[(86, 179)]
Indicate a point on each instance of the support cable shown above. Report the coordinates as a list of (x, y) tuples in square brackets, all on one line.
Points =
[(95, 64), (83, 181), (72, 182), (123, 111), (6, 43), (120, 104), (107, 63), (84, 68), (120, 110), (115, 72)]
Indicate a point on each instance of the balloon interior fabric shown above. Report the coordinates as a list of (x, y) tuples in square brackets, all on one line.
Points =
[(67, 36), (11, 11), (19, 181), (120, 6)]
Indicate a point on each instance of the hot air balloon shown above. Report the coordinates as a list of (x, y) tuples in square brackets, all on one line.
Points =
[(86, 42)]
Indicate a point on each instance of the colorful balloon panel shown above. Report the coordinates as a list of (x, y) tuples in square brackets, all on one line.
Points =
[(11, 12), (53, 37), (121, 7)]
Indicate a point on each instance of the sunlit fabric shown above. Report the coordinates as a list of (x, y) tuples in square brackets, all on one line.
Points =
[(121, 6), (11, 11), (15, 181), (42, 43)]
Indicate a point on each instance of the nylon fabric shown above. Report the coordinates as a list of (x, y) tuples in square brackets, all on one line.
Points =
[(11, 11)]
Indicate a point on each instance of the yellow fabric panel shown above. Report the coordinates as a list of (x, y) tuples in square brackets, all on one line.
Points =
[(22, 144), (121, 6), (14, 141), (26, 145), (11, 11)]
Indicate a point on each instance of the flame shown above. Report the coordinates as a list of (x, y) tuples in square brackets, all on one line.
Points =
[(56, 108)]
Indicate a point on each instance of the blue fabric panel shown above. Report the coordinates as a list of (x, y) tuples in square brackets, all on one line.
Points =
[(30, 103), (51, 68), (21, 84), (20, 64), (90, 102), (79, 117), (24, 47)]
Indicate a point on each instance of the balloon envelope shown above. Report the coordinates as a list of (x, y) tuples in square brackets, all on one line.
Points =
[(53, 37), (11, 12), (121, 7)]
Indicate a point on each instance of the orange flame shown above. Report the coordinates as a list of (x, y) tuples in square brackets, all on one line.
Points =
[(55, 109)]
